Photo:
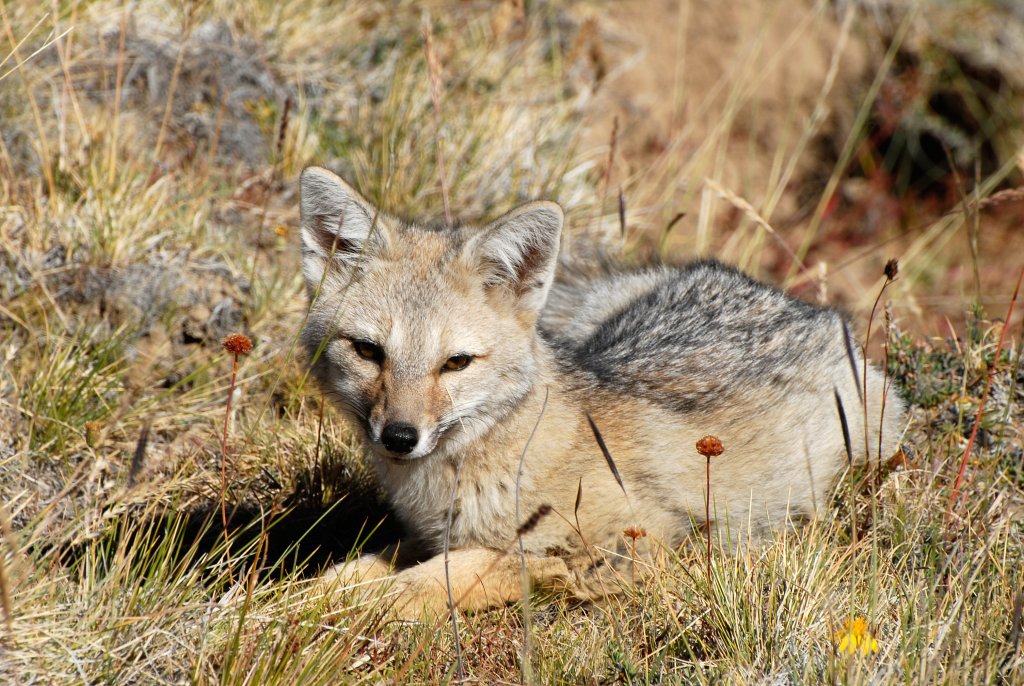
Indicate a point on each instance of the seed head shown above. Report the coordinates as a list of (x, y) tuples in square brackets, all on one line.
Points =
[(237, 344), (892, 268), (531, 523), (93, 433), (710, 446)]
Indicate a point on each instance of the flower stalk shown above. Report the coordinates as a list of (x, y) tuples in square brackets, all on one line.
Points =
[(709, 446), (238, 345)]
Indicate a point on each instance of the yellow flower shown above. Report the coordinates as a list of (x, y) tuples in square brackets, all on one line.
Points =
[(855, 637)]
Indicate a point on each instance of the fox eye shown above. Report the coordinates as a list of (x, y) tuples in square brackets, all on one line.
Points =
[(368, 351), (457, 363)]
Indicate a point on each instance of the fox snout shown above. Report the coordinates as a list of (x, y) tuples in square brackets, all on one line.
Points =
[(400, 438), (402, 416)]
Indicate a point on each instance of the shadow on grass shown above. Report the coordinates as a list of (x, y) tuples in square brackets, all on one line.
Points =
[(307, 530), (299, 539)]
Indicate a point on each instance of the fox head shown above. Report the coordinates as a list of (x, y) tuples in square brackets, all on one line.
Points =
[(424, 337)]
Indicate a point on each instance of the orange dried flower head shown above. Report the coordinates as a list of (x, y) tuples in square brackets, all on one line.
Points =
[(238, 344), (710, 446), (635, 532)]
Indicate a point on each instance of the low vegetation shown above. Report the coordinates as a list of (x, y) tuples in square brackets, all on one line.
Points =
[(161, 512)]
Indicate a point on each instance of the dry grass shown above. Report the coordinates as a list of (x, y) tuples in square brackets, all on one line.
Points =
[(148, 209)]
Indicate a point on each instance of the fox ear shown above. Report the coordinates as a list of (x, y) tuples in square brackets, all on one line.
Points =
[(337, 224), (519, 251)]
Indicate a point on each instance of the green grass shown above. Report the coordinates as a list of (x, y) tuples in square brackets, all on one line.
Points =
[(120, 272)]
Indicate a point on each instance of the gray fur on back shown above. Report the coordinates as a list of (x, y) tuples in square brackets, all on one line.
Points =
[(691, 337)]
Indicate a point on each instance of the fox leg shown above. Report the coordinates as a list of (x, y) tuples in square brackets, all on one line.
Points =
[(364, 568), (368, 573), (480, 578)]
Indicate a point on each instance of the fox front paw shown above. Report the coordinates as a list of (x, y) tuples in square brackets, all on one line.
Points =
[(475, 580)]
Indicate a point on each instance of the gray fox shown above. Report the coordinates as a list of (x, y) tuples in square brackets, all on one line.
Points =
[(479, 385)]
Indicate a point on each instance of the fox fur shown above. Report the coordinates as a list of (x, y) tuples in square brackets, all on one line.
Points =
[(472, 374)]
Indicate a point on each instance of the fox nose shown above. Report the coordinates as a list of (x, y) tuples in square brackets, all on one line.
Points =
[(399, 438)]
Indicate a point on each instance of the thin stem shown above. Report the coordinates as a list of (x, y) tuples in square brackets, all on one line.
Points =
[(434, 75), (981, 404), (173, 87), (459, 669), (527, 666), (885, 388), (44, 148), (118, 89), (864, 381), (319, 429), (5, 582), (224, 460), (282, 130), (613, 144), (707, 515)]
